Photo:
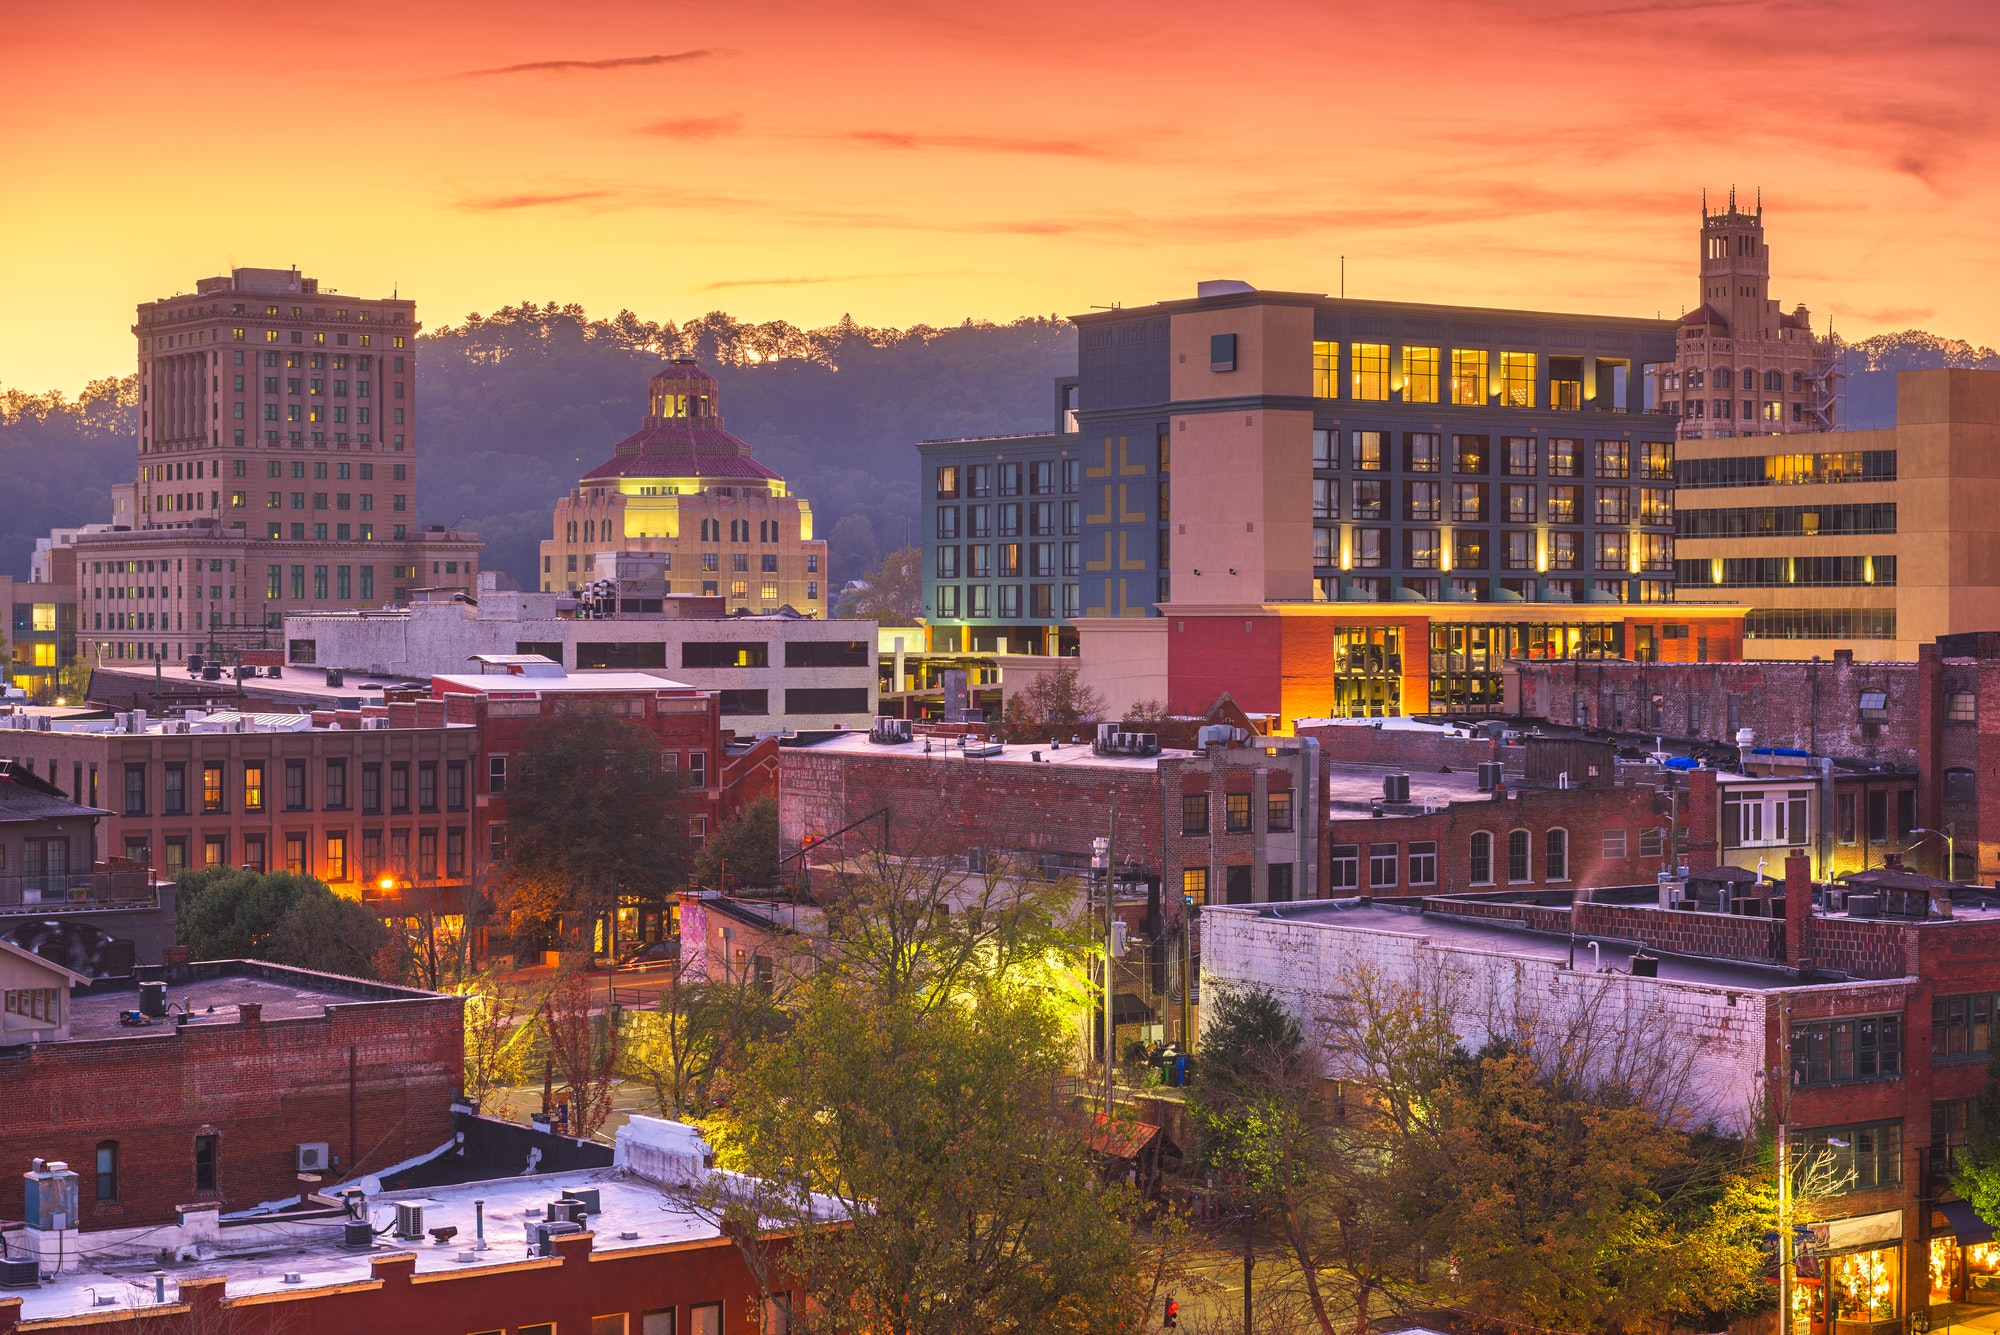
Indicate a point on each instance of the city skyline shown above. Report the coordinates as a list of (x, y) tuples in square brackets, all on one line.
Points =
[(921, 165)]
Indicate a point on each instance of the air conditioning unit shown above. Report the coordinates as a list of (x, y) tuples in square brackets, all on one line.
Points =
[(313, 1156), (1395, 787), (409, 1221)]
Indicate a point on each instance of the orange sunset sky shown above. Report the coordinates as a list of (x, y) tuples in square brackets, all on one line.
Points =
[(909, 161)]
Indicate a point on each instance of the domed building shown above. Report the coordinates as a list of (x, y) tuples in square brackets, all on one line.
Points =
[(684, 488)]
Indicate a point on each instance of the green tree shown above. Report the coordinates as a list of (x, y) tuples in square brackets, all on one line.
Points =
[(596, 820), (1978, 1177), (228, 913), (892, 592), (745, 847), (1058, 697), (700, 1036)]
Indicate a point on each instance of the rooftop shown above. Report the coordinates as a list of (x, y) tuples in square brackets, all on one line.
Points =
[(517, 686), (1517, 942), (25, 796), (218, 991)]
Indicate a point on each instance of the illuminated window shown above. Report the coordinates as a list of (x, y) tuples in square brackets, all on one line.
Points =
[(1194, 885), (1370, 450), (1420, 375), (1368, 367), (1468, 377), (1326, 370), (44, 616), (1517, 379)]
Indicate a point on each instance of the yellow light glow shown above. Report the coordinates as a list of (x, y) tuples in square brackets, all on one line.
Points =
[(388, 883), (1541, 552), (1715, 570)]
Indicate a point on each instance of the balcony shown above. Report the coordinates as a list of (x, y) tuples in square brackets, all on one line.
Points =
[(123, 888)]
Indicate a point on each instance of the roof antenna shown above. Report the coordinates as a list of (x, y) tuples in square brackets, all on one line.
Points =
[(1343, 277)]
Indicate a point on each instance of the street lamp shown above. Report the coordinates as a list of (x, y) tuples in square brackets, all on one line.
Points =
[(1950, 849)]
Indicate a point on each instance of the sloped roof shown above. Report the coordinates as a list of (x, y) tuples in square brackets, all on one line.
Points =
[(1704, 314), (683, 449), (25, 796)]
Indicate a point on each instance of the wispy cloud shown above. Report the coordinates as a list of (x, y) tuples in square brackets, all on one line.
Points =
[(1885, 315), (981, 143), (530, 200), (723, 285), (695, 127), (587, 66)]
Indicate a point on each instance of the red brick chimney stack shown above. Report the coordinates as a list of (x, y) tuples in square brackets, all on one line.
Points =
[(1798, 908)]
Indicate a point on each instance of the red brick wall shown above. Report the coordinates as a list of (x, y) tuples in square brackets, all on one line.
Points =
[(567, 1290), (1715, 935), (264, 1088), (1208, 656), (1358, 744)]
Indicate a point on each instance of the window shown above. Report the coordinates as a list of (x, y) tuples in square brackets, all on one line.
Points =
[(1859, 1158), (371, 789), (496, 774), (107, 1170), (608, 1325), (211, 787), (1345, 867), (454, 785), (336, 857), (1962, 1027), (703, 1319), (1556, 855), (1278, 882), (1371, 451), (295, 785), (1834, 1052), (1421, 452), (1194, 885), (1519, 866), (206, 1150), (174, 798), (1236, 884), (827, 700), (1652, 842), (947, 482), (1424, 863), (1614, 844), (1194, 813), (253, 785), (1479, 869), (1423, 501), (399, 786), (1326, 370), (1468, 377), (1950, 1119), (1278, 811), (336, 785), (1517, 379), (1468, 455), (1368, 371), (1236, 813), (1562, 457), (1961, 707), (1420, 375), (427, 786), (1960, 785), (1382, 860)]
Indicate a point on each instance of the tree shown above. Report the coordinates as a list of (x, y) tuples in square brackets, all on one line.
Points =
[(596, 820), (282, 917), (1146, 714), (892, 593), (700, 1036), (583, 1052), (942, 1145), (1978, 1176), (745, 848), (1058, 697), (494, 1034)]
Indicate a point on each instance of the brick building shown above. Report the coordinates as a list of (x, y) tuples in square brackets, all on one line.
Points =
[(213, 1110), (342, 794), (277, 460), (1879, 1022), (641, 1261)]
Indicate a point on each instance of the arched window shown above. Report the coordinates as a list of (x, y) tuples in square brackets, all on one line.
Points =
[(1480, 870), (107, 1170), (1520, 863), (590, 530), (1556, 864), (570, 533)]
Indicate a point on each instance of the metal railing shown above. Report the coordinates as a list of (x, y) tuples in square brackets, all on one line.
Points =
[(73, 890)]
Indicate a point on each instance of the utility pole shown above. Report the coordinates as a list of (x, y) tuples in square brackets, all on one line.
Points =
[(1249, 1261), (1104, 856)]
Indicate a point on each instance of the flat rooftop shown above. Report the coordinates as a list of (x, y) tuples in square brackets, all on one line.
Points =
[(1519, 943), (285, 994), (584, 679), (946, 751), (255, 1255)]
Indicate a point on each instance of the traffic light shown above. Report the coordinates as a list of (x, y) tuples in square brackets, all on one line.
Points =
[(1172, 1316)]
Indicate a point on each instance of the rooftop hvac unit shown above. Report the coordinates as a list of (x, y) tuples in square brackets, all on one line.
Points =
[(1395, 787), (890, 731), (1491, 775), (981, 750), (357, 1236), (312, 1156), (566, 1209), (409, 1221), (542, 1234), (589, 1197), (20, 1274), (335, 677)]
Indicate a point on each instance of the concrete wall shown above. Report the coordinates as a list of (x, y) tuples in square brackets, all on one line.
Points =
[(1309, 965)]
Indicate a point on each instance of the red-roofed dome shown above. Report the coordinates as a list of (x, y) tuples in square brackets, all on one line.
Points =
[(683, 434)]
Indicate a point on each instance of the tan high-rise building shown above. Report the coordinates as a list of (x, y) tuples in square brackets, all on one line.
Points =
[(683, 488), (276, 471), (1744, 366)]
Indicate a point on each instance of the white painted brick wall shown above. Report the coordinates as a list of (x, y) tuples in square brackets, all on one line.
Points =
[(1714, 1048)]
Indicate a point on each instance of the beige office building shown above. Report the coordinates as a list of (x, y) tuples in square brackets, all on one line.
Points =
[(1875, 542), (276, 471), (684, 489)]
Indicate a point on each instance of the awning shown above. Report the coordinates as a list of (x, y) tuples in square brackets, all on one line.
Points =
[(1965, 1222), (1130, 1008), (1858, 1232)]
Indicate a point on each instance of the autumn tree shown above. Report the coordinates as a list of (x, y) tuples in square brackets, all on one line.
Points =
[(582, 1051), (700, 1034), (744, 850), (891, 593), (495, 1034), (596, 820)]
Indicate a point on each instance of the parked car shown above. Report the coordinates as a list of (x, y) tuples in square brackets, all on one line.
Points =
[(660, 952)]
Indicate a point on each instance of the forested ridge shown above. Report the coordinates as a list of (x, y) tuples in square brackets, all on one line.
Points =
[(514, 406)]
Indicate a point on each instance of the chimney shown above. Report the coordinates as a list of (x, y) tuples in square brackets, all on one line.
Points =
[(1798, 908), (1892, 861), (250, 1012)]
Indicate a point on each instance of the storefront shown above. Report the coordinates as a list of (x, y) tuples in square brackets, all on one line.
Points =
[(1849, 1281), (1964, 1261)]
